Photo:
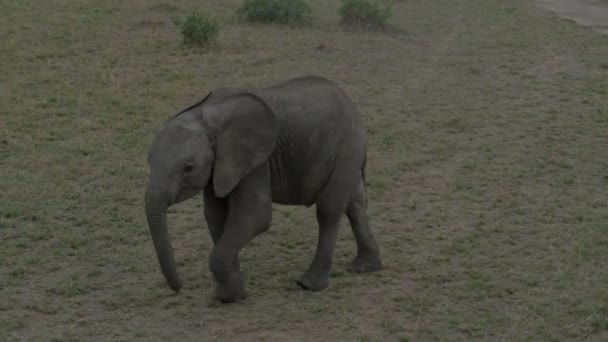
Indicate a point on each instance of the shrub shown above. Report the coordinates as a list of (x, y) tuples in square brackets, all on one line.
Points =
[(198, 30), (278, 11), (364, 13)]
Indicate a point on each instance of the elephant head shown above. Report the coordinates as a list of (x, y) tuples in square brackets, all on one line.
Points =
[(213, 143)]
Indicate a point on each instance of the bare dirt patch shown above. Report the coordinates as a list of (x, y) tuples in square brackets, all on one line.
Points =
[(584, 12)]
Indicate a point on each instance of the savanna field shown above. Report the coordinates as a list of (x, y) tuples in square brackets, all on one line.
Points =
[(487, 174)]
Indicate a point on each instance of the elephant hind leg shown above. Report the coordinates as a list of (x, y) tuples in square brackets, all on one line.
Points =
[(331, 206), (316, 276), (368, 254)]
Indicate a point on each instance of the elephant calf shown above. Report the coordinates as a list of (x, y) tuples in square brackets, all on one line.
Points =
[(301, 142)]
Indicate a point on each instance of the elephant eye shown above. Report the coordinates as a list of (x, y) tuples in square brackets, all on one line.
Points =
[(188, 168)]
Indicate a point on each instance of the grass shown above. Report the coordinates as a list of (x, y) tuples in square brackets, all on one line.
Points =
[(364, 13), (487, 175), (198, 30), (287, 12)]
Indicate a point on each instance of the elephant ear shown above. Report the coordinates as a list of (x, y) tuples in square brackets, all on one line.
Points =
[(246, 132)]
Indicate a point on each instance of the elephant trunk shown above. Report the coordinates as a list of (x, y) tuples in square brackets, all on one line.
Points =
[(156, 213)]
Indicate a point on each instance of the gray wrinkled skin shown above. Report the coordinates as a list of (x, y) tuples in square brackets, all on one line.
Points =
[(301, 142)]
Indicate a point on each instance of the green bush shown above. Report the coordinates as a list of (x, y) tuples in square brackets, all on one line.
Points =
[(364, 13), (198, 30), (278, 11)]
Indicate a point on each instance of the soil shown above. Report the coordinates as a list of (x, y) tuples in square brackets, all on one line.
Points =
[(592, 13)]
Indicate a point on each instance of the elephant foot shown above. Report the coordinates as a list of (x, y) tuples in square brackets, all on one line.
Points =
[(365, 264), (313, 281), (232, 291)]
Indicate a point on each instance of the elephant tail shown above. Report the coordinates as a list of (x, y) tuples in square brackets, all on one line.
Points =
[(363, 178)]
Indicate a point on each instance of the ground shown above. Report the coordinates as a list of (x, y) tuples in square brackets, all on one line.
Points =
[(487, 171), (592, 13)]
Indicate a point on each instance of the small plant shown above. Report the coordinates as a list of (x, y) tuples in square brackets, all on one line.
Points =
[(364, 13), (198, 30), (278, 11)]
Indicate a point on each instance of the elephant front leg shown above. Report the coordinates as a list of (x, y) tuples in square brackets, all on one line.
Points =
[(224, 258), (249, 214), (215, 213), (216, 210), (229, 279)]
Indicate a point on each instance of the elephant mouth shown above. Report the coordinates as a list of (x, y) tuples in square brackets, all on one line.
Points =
[(186, 193)]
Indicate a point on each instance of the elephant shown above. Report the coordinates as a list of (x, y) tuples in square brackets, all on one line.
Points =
[(298, 142)]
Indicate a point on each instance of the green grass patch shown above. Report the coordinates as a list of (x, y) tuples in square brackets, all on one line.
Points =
[(368, 14), (198, 30), (290, 12)]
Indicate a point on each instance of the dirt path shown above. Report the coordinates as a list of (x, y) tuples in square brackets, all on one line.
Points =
[(593, 13)]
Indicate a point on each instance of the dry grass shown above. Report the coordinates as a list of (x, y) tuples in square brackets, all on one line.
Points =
[(488, 172)]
